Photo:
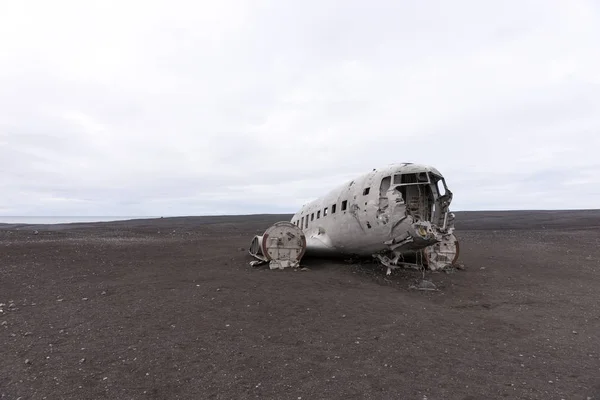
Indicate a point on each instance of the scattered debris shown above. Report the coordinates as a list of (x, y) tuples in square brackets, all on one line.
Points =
[(257, 263), (424, 285)]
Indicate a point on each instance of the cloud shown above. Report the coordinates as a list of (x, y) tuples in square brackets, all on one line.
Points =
[(180, 107)]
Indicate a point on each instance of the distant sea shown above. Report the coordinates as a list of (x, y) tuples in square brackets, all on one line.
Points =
[(61, 219)]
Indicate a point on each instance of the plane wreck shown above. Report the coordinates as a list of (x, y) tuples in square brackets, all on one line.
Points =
[(398, 214)]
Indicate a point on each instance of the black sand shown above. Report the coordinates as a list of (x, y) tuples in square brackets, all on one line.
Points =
[(169, 308)]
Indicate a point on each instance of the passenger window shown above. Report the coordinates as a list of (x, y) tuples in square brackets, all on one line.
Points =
[(385, 186), (344, 205), (312, 216), (318, 214), (306, 225), (302, 222), (366, 191), (325, 212), (333, 208)]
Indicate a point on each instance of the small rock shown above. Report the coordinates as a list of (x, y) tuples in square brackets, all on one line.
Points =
[(574, 332), (85, 299), (27, 334), (425, 284), (28, 361), (82, 361), (4, 323), (218, 289), (304, 269), (460, 266), (103, 292), (35, 232)]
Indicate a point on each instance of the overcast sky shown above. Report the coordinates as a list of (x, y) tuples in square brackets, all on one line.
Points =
[(131, 108)]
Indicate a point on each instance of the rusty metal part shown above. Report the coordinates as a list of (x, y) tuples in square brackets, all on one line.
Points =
[(282, 245), (442, 254)]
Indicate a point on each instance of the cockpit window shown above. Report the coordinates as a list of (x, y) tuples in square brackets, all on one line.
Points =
[(440, 184), (418, 178), (441, 187)]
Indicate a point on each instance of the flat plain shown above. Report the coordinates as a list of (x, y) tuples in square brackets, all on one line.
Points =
[(170, 309)]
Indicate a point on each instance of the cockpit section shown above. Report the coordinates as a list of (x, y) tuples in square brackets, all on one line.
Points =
[(415, 205), (424, 194)]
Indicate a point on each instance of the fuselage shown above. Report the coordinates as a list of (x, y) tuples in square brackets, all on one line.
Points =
[(401, 207)]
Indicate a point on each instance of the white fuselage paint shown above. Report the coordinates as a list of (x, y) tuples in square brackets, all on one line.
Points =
[(371, 219)]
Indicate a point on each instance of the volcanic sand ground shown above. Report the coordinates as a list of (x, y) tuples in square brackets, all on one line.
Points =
[(169, 308)]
